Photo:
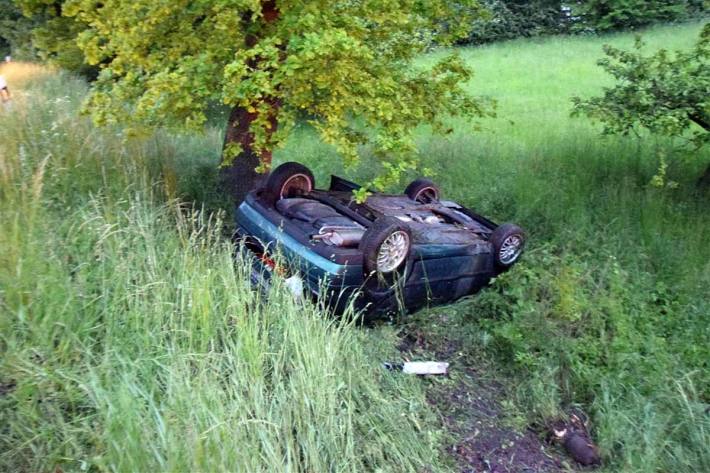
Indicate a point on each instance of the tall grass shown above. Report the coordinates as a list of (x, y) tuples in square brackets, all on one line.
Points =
[(131, 339), (610, 307)]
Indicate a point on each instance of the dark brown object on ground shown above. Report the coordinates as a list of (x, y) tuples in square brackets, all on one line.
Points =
[(574, 437), (581, 450)]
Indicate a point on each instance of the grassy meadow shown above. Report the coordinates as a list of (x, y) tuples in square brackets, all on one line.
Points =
[(131, 342)]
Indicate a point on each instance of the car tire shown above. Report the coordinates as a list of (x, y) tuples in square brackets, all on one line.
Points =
[(385, 247), (423, 190), (508, 242), (289, 180)]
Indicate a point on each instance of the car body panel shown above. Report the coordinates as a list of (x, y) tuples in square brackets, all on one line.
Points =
[(315, 269), (434, 272)]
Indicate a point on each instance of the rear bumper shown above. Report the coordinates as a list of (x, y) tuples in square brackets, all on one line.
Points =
[(315, 269)]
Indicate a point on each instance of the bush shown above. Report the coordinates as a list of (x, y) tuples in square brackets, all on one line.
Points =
[(15, 32), (510, 19), (664, 93), (608, 15)]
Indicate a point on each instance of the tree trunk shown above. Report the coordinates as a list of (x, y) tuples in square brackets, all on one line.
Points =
[(240, 176)]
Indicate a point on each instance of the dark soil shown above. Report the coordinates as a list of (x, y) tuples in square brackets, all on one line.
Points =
[(482, 438)]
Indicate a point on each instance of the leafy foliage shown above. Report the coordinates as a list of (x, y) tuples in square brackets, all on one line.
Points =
[(665, 93), (508, 19), (346, 65), (606, 15), (52, 36), (15, 32)]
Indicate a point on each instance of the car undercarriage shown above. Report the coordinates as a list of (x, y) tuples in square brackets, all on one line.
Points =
[(389, 253)]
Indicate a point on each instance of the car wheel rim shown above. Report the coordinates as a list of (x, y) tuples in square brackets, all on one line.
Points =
[(392, 251), (427, 195), (295, 185), (510, 249)]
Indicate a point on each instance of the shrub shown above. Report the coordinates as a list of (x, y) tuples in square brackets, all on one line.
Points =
[(607, 15), (510, 19), (664, 93), (15, 32)]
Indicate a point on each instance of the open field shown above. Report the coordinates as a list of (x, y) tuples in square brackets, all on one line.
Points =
[(611, 307), (130, 342)]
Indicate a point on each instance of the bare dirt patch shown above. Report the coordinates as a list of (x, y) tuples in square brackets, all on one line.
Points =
[(481, 437)]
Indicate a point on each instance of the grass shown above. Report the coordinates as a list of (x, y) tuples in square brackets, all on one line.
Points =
[(609, 309), (131, 342)]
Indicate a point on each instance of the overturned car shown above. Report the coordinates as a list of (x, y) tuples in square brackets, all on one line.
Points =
[(392, 252)]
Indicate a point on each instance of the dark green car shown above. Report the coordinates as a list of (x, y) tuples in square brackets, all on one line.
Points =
[(392, 252)]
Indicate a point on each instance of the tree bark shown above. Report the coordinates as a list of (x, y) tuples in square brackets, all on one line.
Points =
[(240, 176)]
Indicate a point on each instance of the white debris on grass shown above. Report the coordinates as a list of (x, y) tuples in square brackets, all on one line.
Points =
[(295, 286), (425, 367)]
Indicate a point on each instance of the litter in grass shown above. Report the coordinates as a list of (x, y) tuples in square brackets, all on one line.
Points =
[(295, 286), (419, 367)]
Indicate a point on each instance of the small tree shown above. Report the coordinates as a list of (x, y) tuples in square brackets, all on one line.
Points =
[(668, 94), (346, 66)]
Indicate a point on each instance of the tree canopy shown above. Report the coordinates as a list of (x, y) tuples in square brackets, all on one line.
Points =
[(37, 29), (665, 93), (609, 15), (15, 31), (348, 66)]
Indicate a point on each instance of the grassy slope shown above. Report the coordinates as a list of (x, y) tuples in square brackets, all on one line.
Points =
[(611, 308), (131, 342)]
